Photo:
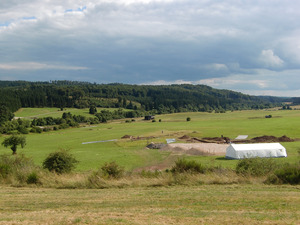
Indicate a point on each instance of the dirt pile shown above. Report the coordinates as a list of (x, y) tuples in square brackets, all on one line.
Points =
[(226, 140), (184, 137), (267, 139), (196, 148), (156, 145), (126, 136)]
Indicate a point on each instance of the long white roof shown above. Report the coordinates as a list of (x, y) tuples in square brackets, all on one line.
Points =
[(260, 146)]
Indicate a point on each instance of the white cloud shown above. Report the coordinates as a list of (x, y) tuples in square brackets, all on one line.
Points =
[(269, 59), (163, 82), (37, 66)]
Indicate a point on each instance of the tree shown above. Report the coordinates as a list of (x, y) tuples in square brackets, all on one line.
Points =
[(93, 109), (5, 114), (13, 142), (60, 162)]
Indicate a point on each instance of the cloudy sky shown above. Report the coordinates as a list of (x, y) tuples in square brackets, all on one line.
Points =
[(251, 46)]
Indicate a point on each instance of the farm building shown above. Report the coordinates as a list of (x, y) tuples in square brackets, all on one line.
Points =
[(262, 150)]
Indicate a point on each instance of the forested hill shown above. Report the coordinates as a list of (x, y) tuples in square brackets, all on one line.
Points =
[(161, 99)]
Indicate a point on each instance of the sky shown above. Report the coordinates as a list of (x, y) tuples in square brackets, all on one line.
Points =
[(249, 46)]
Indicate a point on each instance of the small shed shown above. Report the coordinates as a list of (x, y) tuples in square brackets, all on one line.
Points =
[(261, 150)]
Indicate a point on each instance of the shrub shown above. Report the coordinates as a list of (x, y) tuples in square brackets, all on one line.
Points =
[(4, 170), (60, 162), (63, 126), (16, 166), (23, 130), (256, 166), (288, 174), (188, 119), (32, 178), (185, 166), (36, 130), (112, 170), (47, 129)]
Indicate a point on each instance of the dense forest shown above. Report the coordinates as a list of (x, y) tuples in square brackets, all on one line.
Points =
[(159, 99)]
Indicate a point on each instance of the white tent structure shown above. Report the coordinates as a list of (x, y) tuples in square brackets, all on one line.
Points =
[(262, 150)]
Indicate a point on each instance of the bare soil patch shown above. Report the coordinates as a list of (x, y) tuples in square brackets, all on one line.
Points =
[(197, 148)]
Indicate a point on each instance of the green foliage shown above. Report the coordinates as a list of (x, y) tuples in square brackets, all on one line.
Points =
[(160, 99), (32, 178), (288, 174), (36, 130), (187, 166), (5, 114), (13, 142), (112, 170), (16, 167), (4, 170), (60, 162), (188, 119), (256, 166)]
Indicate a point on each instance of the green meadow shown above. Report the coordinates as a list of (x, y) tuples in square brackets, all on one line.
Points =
[(82, 197), (132, 154)]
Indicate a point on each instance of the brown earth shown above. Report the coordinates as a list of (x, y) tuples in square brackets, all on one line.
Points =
[(196, 148)]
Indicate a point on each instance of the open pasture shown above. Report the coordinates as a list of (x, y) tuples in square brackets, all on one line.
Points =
[(204, 204), (30, 113), (132, 153)]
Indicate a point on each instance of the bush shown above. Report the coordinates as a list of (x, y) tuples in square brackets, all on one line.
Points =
[(256, 166), (4, 170), (60, 162), (36, 130), (32, 178), (46, 129), (288, 174), (188, 119), (185, 166), (16, 167), (112, 170)]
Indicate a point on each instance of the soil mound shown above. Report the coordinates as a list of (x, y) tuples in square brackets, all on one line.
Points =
[(156, 145), (196, 148), (184, 137), (265, 138), (126, 136)]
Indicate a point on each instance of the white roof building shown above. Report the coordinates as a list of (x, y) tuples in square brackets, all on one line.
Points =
[(262, 150)]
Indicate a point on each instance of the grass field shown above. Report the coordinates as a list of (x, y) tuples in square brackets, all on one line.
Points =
[(204, 204), (29, 113), (132, 154), (220, 198)]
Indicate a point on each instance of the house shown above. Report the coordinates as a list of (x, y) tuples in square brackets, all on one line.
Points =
[(261, 150), (149, 117)]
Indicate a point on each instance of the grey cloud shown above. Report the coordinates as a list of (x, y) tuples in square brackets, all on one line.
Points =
[(149, 41)]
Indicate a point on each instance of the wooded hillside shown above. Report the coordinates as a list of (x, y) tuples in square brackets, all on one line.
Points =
[(161, 99)]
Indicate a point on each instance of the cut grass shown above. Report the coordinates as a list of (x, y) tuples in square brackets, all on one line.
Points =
[(205, 204)]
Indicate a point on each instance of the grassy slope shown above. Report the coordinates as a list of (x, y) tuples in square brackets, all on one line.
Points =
[(132, 154), (204, 204), (29, 113)]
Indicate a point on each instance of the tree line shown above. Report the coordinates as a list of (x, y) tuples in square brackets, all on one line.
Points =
[(161, 99)]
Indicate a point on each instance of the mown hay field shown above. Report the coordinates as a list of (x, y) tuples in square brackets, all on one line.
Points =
[(204, 204)]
